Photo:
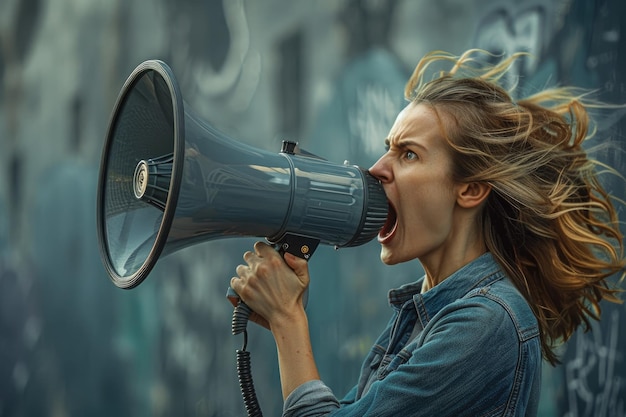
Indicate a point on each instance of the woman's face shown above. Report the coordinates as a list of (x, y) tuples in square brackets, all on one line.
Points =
[(416, 175)]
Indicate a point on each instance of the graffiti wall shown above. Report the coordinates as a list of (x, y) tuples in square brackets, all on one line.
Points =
[(328, 74)]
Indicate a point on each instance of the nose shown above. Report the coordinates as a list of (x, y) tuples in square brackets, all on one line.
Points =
[(381, 170)]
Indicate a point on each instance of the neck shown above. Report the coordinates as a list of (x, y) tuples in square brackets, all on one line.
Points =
[(439, 266)]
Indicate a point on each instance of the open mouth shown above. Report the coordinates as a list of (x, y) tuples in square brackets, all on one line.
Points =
[(390, 225)]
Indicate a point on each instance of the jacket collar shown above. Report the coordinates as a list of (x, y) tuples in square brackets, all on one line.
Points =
[(478, 273)]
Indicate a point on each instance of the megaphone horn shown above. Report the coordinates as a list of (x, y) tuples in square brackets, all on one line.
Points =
[(168, 180)]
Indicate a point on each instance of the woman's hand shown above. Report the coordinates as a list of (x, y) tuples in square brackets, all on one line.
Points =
[(272, 286)]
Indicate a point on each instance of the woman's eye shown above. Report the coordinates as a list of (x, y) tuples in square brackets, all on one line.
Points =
[(410, 155)]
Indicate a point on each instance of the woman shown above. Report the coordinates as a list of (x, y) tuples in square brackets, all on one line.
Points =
[(502, 207)]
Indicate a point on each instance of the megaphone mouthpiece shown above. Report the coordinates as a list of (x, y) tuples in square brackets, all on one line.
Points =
[(168, 180)]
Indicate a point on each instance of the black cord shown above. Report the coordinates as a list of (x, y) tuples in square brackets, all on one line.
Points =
[(244, 372)]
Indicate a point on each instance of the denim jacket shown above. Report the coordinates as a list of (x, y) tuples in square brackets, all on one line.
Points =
[(475, 352)]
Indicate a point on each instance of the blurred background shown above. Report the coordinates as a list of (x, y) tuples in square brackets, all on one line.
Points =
[(328, 74)]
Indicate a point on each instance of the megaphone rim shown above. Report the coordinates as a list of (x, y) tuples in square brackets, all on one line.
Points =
[(165, 72)]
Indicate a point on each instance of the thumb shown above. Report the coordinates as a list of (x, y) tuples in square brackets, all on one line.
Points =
[(300, 267)]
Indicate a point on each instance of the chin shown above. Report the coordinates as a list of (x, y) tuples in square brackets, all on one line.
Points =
[(387, 258)]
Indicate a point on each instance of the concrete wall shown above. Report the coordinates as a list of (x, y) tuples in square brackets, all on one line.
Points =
[(328, 74)]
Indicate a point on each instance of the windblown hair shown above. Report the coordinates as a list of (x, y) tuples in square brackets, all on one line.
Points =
[(548, 220)]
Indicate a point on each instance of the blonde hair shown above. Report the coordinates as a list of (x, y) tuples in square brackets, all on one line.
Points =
[(548, 220)]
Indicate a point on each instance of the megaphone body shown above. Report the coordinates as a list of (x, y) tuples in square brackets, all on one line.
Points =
[(168, 179)]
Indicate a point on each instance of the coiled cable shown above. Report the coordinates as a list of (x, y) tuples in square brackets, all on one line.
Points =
[(241, 314)]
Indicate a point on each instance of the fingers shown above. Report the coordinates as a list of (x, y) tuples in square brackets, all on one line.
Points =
[(254, 316), (248, 257), (263, 248), (244, 273), (300, 267)]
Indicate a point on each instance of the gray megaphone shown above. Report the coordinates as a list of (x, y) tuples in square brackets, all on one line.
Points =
[(169, 180)]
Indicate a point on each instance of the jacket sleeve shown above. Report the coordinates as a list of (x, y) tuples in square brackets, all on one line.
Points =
[(312, 398)]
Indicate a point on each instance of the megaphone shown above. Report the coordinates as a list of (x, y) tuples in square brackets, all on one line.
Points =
[(168, 179)]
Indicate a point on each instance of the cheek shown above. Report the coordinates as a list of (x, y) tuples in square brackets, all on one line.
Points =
[(432, 207)]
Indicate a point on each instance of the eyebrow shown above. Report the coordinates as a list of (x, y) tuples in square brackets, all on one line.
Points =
[(405, 143)]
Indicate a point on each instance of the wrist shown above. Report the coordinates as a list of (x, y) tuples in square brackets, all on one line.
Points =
[(295, 354), (289, 320)]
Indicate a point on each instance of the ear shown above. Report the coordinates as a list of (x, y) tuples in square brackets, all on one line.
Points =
[(472, 194)]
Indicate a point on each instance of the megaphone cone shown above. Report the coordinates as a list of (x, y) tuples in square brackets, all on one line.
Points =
[(168, 180)]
